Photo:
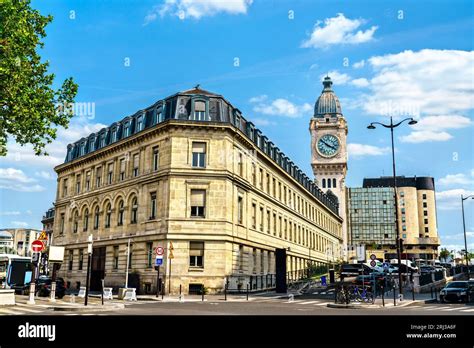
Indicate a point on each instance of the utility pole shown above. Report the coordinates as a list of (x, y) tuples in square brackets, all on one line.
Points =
[(464, 228), (128, 261), (89, 258)]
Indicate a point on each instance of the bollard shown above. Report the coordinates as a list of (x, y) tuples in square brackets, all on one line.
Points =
[(179, 290), (162, 290), (202, 292), (247, 291), (413, 291), (394, 297), (225, 292), (383, 297), (335, 294)]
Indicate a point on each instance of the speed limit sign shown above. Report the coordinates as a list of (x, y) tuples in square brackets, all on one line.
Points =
[(159, 251)]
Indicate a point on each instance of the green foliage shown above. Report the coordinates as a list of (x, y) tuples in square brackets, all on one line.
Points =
[(28, 111), (444, 254)]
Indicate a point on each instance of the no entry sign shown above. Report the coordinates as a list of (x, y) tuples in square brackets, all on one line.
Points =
[(159, 251), (37, 246)]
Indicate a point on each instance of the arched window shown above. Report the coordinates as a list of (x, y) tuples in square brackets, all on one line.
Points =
[(75, 222), (120, 214), (96, 218), (86, 220), (108, 215), (199, 110), (133, 215), (334, 183), (324, 183), (329, 183)]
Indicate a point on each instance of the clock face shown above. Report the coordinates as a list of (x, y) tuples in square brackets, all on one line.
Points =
[(328, 145)]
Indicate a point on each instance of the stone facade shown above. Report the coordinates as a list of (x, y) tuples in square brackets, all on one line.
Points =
[(225, 213)]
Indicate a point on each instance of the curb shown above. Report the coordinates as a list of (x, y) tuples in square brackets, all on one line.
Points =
[(86, 309), (344, 306)]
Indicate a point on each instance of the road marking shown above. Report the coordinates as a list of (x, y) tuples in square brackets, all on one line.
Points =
[(436, 308), (309, 302), (452, 309), (9, 311), (23, 309), (467, 310), (321, 304)]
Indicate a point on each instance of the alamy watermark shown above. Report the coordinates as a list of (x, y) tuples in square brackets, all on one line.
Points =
[(84, 109), (395, 109)]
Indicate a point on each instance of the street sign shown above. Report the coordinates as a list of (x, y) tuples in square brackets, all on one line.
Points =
[(158, 261), (373, 257), (43, 236), (159, 251), (372, 263), (171, 246), (37, 246), (35, 257), (171, 255)]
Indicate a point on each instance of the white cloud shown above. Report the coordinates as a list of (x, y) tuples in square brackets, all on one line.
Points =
[(281, 107), (45, 175), (437, 123), (258, 99), (263, 122), (9, 213), (336, 77), (358, 65), (338, 30), (362, 82), (24, 155), (17, 180), (433, 82), (456, 179), (362, 150), (451, 199), (197, 8), (20, 224), (425, 136)]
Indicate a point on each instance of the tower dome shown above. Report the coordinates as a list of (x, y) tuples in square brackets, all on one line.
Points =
[(327, 103)]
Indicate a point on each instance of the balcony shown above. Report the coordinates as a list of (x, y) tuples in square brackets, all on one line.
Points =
[(427, 241)]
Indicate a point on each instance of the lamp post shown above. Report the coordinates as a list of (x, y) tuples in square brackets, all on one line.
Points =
[(464, 228), (89, 257), (391, 126)]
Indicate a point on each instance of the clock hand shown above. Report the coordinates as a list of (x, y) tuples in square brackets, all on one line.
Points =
[(332, 147)]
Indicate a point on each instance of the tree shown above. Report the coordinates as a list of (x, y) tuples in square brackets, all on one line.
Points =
[(30, 110), (444, 254)]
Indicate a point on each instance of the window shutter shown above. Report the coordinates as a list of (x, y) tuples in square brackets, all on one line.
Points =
[(196, 248), (198, 198), (199, 147)]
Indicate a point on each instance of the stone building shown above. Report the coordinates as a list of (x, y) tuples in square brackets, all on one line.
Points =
[(22, 239), (371, 211), (189, 171)]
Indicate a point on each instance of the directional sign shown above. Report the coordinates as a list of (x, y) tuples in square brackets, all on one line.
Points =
[(373, 257), (37, 246), (159, 251), (372, 263), (158, 261)]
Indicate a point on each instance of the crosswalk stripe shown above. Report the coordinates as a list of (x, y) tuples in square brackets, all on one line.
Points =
[(452, 309), (309, 302), (436, 308), (9, 311), (321, 304), (467, 310), (29, 310), (414, 307)]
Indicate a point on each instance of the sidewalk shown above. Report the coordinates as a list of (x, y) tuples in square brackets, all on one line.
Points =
[(66, 304)]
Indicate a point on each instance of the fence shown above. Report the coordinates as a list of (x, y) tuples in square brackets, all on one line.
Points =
[(239, 283)]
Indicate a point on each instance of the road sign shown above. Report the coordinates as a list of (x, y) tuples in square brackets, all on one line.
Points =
[(159, 251), (386, 265), (43, 236), (373, 263), (35, 257), (171, 255), (158, 261), (37, 246), (171, 246), (373, 257)]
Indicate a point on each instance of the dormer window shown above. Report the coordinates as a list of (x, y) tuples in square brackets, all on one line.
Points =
[(102, 140), (114, 135), (126, 131), (139, 123), (83, 148), (92, 145), (200, 111)]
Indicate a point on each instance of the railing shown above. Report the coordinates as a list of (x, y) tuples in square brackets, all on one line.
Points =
[(425, 279), (255, 282)]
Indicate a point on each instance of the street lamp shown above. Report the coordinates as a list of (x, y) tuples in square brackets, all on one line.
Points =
[(464, 227), (89, 257), (411, 122)]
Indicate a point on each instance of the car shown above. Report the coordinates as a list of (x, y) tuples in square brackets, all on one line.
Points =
[(43, 286), (427, 269), (354, 269), (457, 291)]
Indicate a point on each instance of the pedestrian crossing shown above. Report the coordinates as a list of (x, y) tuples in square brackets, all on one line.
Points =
[(442, 308), (21, 309)]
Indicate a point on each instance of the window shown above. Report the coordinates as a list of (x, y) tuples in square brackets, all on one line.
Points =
[(75, 222), (149, 254), (329, 183), (82, 149), (88, 181), (427, 230), (116, 257), (114, 136), (404, 228), (196, 254), (198, 203), (268, 183), (92, 145), (425, 205), (334, 183), (240, 210), (261, 218), (81, 259), (199, 155), (425, 212), (324, 183), (78, 184), (268, 221), (200, 111), (136, 163), (61, 226), (426, 221), (130, 254), (156, 158), (98, 177), (139, 123), (102, 140), (254, 215), (71, 259), (121, 210), (254, 175), (254, 260), (126, 130), (240, 164), (424, 195), (152, 205), (261, 178), (96, 218), (133, 215), (108, 215), (110, 173), (86, 220), (122, 169), (274, 224), (65, 188)]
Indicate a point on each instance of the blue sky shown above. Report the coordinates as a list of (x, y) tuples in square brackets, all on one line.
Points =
[(267, 58)]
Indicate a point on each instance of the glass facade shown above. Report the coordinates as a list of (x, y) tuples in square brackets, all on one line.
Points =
[(371, 215)]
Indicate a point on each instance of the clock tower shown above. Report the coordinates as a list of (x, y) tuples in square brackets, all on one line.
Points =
[(328, 129)]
